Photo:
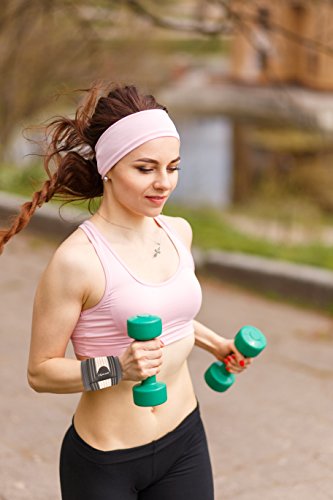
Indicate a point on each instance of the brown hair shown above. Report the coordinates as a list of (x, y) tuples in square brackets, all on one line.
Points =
[(70, 148)]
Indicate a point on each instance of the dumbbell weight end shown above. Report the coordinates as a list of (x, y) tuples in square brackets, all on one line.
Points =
[(156, 394), (218, 378)]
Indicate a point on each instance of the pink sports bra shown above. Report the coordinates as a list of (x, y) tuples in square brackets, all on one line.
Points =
[(102, 329)]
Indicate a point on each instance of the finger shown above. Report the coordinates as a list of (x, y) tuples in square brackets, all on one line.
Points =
[(151, 344), (244, 363), (239, 359), (233, 369), (152, 372), (146, 367), (229, 364), (232, 361), (151, 355), (147, 345), (141, 357), (235, 366), (148, 364)]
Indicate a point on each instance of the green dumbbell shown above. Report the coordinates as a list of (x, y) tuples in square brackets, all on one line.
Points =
[(149, 392), (250, 342)]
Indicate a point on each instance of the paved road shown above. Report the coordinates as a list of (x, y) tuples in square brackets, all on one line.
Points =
[(270, 436)]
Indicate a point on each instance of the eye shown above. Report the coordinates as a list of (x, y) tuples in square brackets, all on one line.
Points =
[(145, 170)]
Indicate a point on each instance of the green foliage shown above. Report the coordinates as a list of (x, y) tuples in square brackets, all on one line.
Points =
[(212, 231), (25, 181), (22, 181)]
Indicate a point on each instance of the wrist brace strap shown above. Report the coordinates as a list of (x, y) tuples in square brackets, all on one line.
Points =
[(99, 373)]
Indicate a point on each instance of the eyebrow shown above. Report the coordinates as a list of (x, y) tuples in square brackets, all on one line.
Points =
[(155, 162)]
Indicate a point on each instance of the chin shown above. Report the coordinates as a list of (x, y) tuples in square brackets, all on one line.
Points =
[(154, 213), (154, 210)]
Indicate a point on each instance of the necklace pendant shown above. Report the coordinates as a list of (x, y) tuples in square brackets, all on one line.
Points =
[(157, 251)]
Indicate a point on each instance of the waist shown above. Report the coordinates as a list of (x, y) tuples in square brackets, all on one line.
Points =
[(109, 419)]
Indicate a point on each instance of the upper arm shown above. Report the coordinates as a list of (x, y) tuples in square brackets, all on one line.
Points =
[(57, 306)]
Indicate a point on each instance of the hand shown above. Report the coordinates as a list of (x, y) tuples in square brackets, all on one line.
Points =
[(141, 360), (234, 361)]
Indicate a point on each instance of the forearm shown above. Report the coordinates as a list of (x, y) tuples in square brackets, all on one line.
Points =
[(57, 375), (65, 376), (207, 339), (62, 375)]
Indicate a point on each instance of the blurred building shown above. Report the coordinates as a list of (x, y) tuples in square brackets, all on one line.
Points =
[(283, 42)]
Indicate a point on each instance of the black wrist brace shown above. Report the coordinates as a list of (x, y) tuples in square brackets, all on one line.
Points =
[(99, 373)]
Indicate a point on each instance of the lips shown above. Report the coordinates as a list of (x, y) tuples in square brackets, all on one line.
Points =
[(157, 200)]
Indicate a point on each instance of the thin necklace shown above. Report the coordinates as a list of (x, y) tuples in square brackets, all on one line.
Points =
[(157, 250)]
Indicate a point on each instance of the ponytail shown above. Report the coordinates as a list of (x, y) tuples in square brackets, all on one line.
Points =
[(69, 160)]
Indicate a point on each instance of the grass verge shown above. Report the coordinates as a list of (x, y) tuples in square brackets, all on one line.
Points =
[(211, 230)]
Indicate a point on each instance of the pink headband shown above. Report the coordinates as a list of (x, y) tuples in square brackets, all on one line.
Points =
[(129, 133)]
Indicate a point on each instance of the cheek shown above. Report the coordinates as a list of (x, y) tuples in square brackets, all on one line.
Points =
[(131, 187), (174, 180)]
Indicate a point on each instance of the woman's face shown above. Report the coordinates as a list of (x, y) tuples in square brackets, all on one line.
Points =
[(143, 180)]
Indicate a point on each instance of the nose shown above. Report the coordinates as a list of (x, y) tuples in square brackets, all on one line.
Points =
[(163, 181)]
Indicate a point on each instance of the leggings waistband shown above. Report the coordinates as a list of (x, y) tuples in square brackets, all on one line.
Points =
[(141, 451)]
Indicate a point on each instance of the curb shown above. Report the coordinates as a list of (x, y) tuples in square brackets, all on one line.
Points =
[(310, 285), (48, 220), (306, 284)]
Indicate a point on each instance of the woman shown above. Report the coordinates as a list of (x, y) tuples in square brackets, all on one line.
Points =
[(125, 260)]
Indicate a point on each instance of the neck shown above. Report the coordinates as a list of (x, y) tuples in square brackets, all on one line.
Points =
[(138, 223)]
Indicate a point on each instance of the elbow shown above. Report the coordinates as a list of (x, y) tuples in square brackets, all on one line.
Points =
[(34, 381)]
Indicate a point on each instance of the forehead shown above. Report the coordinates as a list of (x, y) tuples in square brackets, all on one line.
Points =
[(163, 148)]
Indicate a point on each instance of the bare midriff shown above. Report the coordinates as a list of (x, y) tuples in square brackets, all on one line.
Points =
[(108, 419)]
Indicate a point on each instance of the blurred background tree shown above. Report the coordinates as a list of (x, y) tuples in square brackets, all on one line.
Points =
[(45, 45), (249, 82), (49, 46)]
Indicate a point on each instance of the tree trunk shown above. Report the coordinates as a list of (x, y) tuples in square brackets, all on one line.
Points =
[(241, 172)]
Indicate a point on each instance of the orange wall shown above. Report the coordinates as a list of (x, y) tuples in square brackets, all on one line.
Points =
[(288, 61)]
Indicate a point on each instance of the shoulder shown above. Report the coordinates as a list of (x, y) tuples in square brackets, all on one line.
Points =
[(72, 252), (181, 227), (69, 265)]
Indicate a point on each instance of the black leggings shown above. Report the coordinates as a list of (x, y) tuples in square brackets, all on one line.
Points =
[(175, 467)]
